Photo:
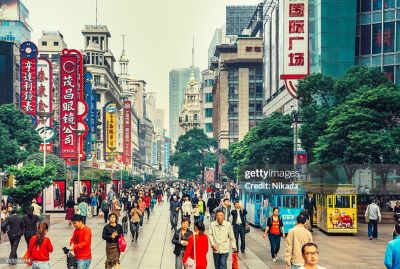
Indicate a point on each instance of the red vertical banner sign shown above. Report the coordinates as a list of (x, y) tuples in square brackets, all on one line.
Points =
[(73, 107), (68, 105), (28, 92), (44, 101), (127, 133)]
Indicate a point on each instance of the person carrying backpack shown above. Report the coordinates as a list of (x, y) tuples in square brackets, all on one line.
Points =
[(105, 207)]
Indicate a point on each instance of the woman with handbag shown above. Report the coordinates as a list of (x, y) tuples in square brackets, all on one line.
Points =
[(195, 256), (111, 233), (275, 230), (116, 207), (180, 240)]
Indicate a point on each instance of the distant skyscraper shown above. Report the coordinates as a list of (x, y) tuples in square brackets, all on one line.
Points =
[(238, 18), (218, 39), (9, 73), (178, 79), (13, 21)]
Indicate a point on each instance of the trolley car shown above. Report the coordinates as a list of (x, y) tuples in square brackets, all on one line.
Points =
[(337, 209)]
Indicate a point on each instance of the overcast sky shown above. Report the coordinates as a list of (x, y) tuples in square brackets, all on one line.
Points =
[(158, 32)]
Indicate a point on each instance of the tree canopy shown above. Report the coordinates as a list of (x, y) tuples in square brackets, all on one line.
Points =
[(59, 164), (193, 153), (18, 137), (270, 142), (30, 180)]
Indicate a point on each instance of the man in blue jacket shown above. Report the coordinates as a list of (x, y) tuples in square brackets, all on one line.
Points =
[(392, 256)]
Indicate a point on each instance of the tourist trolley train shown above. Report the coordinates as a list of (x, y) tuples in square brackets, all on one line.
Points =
[(336, 208), (260, 201)]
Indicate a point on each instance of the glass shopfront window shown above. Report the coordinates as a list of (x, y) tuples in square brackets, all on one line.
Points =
[(388, 37), (389, 71), (366, 39), (377, 4), (365, 5), (389, 4)]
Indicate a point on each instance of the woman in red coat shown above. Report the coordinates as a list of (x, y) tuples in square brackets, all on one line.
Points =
[(199, 246)]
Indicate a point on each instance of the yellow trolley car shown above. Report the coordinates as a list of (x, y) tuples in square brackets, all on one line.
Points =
[(337, 208)]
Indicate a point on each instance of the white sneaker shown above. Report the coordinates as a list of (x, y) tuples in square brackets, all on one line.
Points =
[(274, 259)]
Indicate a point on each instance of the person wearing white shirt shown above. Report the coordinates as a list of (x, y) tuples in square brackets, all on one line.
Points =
[(310, 254)]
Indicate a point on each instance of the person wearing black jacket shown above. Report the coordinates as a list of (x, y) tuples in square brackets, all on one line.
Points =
[(99, 201), (180, 240), (310, 204), (30, 224), (15, 231), (239, 223), (212, 204), (111, 233)]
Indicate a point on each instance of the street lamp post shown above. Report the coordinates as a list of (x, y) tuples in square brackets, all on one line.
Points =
[(44, 116), (79, 133)]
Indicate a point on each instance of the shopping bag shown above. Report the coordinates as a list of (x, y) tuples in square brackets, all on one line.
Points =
[(121, 243), (235, 264)]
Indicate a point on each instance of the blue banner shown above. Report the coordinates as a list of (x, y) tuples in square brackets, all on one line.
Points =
[(89, 118)]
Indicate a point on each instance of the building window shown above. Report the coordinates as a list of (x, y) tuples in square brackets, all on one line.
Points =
[(208, 97), (98, 97), (44, 43), (389, 71), (96, 80), (56, 43), (233, 110), (208, 112), (366, 39), (389, 4), (388, 37), (365, 5), (377, 4), (208, 127), (233, 128), (376, 38)]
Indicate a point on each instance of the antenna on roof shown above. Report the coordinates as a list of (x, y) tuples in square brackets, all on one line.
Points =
[(193, 55), (96, 13)]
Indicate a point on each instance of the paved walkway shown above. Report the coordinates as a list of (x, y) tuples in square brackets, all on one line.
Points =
[(154, 250)]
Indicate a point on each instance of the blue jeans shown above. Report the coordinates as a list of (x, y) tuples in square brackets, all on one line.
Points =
[(373, 228), (83, 264), (220, 260), (40, 265), (275, 241)]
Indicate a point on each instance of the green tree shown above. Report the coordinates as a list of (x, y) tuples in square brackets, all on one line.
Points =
[(193, 153), (37, 159), (270, 142), (18, 138), (363, 130), (30, 181), (320, 94), (97, 176)]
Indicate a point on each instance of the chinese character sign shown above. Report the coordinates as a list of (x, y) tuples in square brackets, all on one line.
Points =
[(28, 80), (44, 101), (295, 43), (111, 128), (127, 129), (68, 105)]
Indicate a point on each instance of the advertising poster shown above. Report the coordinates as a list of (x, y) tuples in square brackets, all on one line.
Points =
[(85, 188), (28, 81), (55, 196), (110, 130)]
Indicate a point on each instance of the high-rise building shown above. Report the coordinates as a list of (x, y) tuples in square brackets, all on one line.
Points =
[(14, 25), (331, 46), (219, 38), (178, 79), (9, 73), (238, 18), (207, 84), (377, 41), (238, 90)]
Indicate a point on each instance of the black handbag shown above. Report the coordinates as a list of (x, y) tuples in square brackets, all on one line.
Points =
[(247, 228)]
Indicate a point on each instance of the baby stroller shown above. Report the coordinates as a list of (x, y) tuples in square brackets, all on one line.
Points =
[(71, 262), (125, 224)]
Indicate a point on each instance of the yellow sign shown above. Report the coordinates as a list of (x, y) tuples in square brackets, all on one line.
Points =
[(111, 129)]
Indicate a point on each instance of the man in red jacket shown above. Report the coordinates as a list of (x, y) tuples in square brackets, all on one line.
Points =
[(81, 242)]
